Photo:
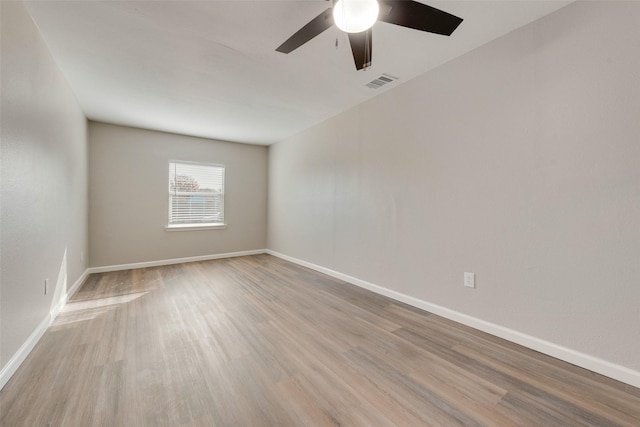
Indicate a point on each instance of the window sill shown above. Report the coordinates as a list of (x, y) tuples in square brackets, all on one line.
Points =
[(194, 227)]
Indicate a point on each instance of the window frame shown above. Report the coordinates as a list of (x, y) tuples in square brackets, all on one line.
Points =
[(200, 225)]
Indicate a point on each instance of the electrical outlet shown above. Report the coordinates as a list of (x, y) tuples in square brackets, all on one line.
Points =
[(469, 280), (46, 286)]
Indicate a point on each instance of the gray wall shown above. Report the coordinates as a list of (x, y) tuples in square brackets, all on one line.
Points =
[(43, 216), (128, 199), (519, 161)]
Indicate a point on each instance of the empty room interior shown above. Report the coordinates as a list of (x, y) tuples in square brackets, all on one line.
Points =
[(320, 213)]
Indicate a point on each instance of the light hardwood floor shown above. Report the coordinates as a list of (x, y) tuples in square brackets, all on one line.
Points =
[(258, 341)]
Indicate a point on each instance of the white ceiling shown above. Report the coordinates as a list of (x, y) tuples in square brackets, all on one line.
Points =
[(210, 69)]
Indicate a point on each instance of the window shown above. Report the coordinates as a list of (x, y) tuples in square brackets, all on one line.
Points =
[(196, 195)]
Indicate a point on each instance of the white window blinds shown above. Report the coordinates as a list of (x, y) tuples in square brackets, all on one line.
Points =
[(196, 194)]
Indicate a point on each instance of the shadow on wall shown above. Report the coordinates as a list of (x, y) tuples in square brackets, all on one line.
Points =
[(60, 292)]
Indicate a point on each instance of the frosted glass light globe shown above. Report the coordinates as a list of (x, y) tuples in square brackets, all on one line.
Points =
[(355, 16)]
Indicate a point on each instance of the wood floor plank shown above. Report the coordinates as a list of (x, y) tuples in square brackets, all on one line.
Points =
[(259, 341)]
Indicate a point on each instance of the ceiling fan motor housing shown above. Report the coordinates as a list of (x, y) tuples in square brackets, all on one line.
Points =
[(355, 16)]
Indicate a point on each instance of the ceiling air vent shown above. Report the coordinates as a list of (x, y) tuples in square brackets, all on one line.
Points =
[(381, 81)]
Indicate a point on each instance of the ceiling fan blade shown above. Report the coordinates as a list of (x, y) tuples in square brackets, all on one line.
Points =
[(411, 14), (361, 44), (317, 25)]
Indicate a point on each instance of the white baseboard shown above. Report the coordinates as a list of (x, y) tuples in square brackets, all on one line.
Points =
[(586, 361), (146, 264), (611, 370), (14, 363), (20, 356)]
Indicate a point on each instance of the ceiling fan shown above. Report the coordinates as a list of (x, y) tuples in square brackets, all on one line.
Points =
[(356, 17)]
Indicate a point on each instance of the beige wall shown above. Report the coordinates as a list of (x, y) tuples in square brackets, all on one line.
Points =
[(43, 211), (128, 199), (519, 162)]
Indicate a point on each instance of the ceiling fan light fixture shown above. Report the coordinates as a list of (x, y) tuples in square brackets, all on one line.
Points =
[(355, 16)]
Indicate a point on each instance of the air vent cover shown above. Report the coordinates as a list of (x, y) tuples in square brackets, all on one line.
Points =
[(381, 81)]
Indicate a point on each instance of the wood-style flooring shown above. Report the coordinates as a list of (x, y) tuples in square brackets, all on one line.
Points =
[(258, 341)]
